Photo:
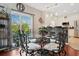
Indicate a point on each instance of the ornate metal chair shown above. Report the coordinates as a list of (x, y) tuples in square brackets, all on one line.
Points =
[(61, 41), (56, 46)]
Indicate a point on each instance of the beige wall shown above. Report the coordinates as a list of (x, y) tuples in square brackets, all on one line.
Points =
[(28, 9), (58, 20)]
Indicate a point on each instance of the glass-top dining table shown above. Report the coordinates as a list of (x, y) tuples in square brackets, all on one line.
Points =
[(45, 44), (38, 49)]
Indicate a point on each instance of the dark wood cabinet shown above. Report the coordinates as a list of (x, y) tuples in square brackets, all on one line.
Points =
[(4, 29)]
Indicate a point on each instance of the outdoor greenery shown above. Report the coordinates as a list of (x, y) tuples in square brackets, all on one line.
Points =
[(26, 28), (14, 28)]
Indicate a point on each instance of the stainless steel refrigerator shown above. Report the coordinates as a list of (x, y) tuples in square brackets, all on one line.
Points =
[(76, 28)]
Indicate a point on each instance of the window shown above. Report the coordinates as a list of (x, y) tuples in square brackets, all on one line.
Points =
[(21, 21)]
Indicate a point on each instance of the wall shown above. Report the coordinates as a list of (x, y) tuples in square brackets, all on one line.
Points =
[(28, 9), (58, 20)]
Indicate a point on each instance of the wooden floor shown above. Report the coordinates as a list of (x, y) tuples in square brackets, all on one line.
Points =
[(70, 52), (14, 52)]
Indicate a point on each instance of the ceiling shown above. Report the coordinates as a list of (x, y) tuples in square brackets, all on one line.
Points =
[(58, 9)]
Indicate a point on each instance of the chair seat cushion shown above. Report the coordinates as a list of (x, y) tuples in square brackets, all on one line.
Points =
[(52, 40), (51, 46), (32, 40), (33, 46)]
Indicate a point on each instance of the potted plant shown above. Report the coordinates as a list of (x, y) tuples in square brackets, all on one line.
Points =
[(43, 31)]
